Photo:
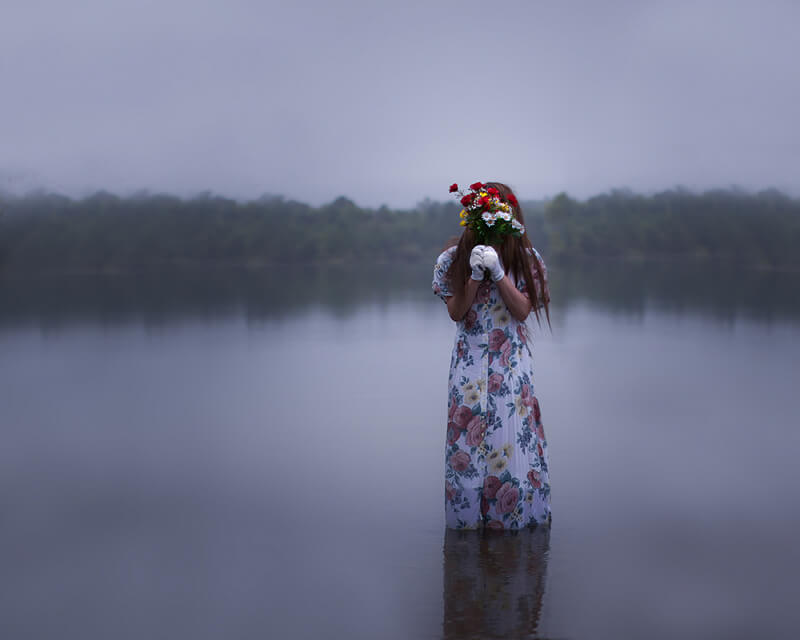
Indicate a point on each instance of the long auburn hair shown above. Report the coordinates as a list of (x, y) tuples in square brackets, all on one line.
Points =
[(516, 254)]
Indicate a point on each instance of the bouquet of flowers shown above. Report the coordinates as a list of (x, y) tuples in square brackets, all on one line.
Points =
[(487, 213)]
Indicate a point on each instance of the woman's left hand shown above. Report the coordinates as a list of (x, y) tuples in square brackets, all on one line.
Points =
[(491, 261)]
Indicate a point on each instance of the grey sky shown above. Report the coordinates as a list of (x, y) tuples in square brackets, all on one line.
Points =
[(390, 102)]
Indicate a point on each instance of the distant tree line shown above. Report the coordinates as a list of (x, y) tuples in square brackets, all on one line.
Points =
[(104, 232)]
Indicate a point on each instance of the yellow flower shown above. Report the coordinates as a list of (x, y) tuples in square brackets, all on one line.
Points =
[(463, 213), (463, 223), (498, 464), (502, 318), (508, 449)]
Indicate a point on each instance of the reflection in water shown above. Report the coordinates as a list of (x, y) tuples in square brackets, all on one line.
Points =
[(166, 297), (494, 582)]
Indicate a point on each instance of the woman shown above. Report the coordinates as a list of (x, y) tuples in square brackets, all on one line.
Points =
[(496, 462)]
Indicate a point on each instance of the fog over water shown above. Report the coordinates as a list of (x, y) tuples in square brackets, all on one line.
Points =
[(391, 102), (204, 455)]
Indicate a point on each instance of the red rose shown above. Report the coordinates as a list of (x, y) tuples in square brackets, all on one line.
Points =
[(460, 460), (467, 199), (476, 185), (512, 199), (453, 187), (462, 416), (490, 486), (453, 432), (495, 382), (496, 339), (476, 429), (483, 201), (507, 498), (492, 191)]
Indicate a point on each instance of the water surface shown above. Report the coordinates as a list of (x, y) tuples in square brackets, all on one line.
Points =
[(247, 455)]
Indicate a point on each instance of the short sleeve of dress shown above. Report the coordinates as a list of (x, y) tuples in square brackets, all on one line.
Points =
[(439, 284), (541, 283)]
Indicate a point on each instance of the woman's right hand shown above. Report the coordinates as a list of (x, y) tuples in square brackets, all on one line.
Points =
[(476, 261)]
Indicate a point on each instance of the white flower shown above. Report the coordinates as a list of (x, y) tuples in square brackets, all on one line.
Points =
[(508, 449)]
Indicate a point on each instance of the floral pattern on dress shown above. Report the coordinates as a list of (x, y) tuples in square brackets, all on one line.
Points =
[(496, 458)]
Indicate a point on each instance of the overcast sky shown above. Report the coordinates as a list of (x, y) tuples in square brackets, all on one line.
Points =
[(390, 102)]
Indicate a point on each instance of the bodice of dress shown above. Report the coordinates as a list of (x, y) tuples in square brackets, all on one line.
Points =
[(488, 310), (496, 466)]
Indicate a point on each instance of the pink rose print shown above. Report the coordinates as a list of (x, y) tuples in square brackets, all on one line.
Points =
[(496, 339), (451, 410), (495, 524), (539, 449), (522, 334), (462, 349), (453, 432), (470, 319), (483, 293), (534, 478), (540, 431), (525, 394), (475, 431), (460, 460), (505, 353), (507, 498), (495, 382), (537, 414), (462, 416), (449, 490), (490, 486)]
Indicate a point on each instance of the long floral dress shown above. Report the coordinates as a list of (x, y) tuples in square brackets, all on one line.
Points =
[(496, 461)]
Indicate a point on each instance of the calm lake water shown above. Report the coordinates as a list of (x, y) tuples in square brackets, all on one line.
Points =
[(260, 455)]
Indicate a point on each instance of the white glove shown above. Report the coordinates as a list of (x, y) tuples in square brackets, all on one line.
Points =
[(476, 261), (491, 262)]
